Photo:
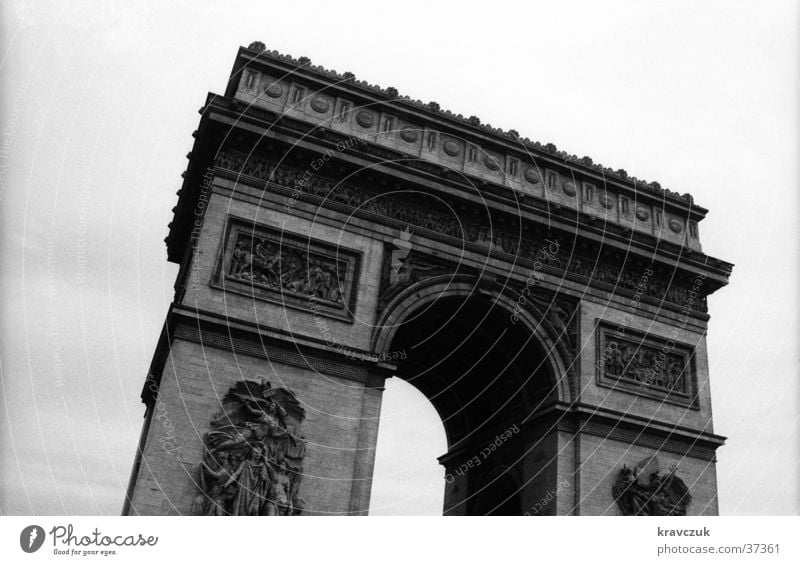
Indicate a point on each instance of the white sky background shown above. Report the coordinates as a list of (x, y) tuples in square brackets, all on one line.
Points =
[(99, 101)]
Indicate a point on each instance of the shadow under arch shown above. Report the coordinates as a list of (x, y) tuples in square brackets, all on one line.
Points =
[(420, 295), (488, 377), (500, 494)]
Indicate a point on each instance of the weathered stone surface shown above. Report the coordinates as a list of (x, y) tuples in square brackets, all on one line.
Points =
[(194, 381), (328, 241)]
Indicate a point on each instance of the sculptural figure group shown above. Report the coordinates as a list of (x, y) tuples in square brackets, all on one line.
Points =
[(286, 269), (253, 456), (645, 491), (641, 364)]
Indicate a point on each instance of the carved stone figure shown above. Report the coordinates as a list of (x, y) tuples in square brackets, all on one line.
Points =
[(253, 457), (561, 314), (402, 268), (643, 491), (252, 481), (436, 217)]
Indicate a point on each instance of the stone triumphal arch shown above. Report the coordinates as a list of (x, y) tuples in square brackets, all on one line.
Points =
[(331, 234)]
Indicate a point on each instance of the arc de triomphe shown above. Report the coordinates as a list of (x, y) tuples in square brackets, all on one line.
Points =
[(331, 234)]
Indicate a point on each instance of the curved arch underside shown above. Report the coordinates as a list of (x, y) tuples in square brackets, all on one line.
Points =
[(486, 377), (477, 368)]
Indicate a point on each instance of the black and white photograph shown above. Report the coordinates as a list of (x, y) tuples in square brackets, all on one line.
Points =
[(533, 261)]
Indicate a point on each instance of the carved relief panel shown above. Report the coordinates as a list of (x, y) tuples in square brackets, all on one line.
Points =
[(288, 269), (253, 454), (645, 365)]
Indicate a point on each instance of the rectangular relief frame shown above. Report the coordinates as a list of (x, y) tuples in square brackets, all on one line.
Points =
[(645, 365), (294, 271)]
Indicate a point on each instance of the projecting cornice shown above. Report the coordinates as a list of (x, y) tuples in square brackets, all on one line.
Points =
[(301, 67), (484, 157), (299, 109)]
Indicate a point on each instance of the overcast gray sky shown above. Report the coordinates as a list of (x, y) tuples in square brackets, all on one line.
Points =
[(99, 101)]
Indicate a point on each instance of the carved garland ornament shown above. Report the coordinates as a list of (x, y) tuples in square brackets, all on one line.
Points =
[(253, 454), (644, 491)]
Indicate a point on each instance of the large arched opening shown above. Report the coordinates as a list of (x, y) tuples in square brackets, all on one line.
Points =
[(488, 376), (407, 479)]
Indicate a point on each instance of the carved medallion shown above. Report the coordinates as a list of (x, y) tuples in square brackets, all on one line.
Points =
[(675, 225), (365, 119), (531, 175), (253, 454), (409, 134), (606, 202), (451, 148), (320, 105), (644, 491), (569, 188), (491, 163), (642, 213), (274, 90)]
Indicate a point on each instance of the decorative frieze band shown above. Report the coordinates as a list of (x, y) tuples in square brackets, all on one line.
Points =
[(426, 213), (384, 125), (274, 90)]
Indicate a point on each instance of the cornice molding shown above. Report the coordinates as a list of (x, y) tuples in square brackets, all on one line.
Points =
[(599, 227), (519, 250), (256, 52)]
